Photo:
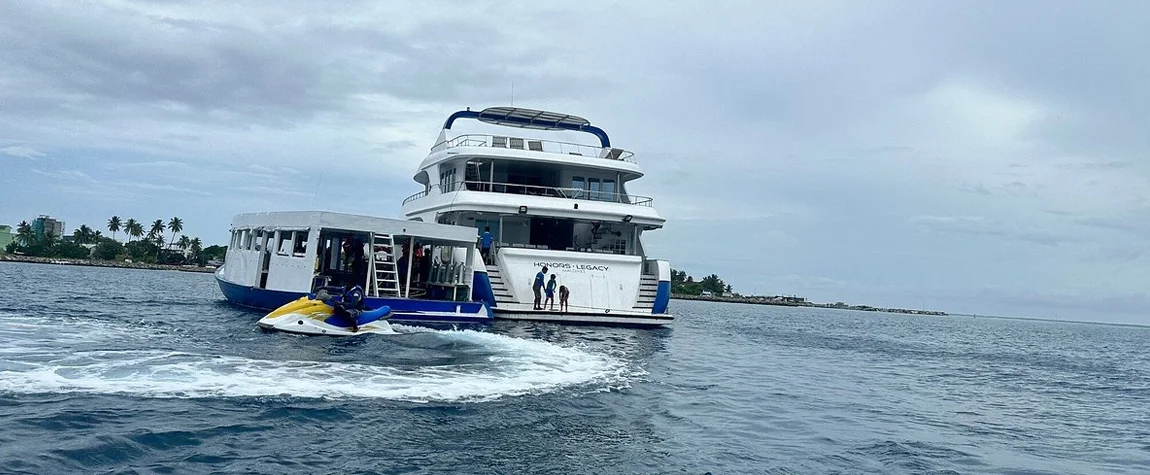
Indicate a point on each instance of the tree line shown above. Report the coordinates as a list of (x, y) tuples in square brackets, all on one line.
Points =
[(681, 283), (150, 247)]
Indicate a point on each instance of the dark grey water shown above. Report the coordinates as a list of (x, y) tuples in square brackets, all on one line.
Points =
[(126, 371)]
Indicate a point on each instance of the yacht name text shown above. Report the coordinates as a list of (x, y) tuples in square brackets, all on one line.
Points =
[(570, 266)]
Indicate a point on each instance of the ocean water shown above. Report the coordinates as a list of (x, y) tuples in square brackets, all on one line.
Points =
[(130, 371)]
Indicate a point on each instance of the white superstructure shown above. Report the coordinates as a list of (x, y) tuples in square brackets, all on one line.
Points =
[(548, 203)]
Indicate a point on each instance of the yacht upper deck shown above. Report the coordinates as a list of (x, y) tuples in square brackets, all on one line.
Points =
[(507, 142)]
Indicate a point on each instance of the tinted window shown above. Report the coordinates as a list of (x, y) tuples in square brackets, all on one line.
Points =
[(609, 190)]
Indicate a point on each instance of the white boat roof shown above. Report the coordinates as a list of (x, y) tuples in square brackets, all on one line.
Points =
[(531, 118), (301, 220)]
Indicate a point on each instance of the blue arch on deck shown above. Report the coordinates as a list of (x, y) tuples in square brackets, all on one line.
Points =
[(512, 121)]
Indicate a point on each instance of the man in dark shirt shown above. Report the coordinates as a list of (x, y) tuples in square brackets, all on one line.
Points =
[(485, 245), (537, 287)]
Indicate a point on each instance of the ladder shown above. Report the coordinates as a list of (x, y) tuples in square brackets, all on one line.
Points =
[(383, 279)]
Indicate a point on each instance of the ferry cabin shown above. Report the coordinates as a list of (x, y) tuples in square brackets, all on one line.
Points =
[(420, 270)]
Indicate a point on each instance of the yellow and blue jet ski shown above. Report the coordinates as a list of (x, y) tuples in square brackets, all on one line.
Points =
[(329, 311)]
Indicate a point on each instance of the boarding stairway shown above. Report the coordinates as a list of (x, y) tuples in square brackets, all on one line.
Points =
[(648, 289), (499, 287), (383, 277)]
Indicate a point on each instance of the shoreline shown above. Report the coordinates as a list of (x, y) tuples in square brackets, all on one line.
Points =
[(781, 303), (206, 270), (101, 263)]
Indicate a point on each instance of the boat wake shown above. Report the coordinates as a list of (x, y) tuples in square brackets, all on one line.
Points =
[(39, 362)]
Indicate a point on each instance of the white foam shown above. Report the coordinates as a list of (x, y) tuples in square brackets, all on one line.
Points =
[(37, 334), (516, 367)]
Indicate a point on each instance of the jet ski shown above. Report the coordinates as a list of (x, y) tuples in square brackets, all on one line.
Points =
[(329, 311)]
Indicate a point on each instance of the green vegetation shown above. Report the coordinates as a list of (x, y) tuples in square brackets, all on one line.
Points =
[(215, 252), (87, 243), (683, 284)]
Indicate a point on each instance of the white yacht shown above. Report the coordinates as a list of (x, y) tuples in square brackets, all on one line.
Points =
[(547, 203)]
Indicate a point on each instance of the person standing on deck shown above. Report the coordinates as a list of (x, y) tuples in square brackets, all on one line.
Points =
[(485, 245), (401, 265), (537, 287), (551, 293)]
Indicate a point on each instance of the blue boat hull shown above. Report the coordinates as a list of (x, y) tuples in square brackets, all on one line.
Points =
[(402, 310)]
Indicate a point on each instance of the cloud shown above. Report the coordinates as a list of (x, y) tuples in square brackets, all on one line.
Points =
[(980, 226), (20, 151)]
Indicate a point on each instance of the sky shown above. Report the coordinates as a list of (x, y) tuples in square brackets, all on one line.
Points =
[(969, 156)]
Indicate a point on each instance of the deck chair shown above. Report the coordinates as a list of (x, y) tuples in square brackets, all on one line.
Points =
[(613, 154), (535, 145), (500, 142), (516, 143)]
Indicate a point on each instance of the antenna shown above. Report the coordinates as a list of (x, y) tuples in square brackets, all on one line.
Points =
[(317, 184)]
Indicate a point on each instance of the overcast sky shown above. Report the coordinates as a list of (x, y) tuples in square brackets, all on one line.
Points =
[(986, 157)]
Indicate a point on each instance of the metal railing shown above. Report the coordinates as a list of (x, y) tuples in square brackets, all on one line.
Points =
[(534, 190), (419, 195), (530, 145)]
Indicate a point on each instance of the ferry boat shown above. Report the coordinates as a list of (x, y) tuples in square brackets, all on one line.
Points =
[(420, 270), (548, 203)]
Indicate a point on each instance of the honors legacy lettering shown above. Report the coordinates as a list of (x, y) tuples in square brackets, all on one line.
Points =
[(570, 266)]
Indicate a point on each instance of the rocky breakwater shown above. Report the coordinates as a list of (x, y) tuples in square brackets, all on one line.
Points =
[(101, 263)]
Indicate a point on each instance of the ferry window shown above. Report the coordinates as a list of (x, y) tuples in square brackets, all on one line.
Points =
[(282, 242), (300, 243), (609, 190), (594, 186)]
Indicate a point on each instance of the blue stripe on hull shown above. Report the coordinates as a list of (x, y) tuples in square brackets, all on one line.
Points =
[(409, 310), (261, 299), (662, 297), (481, 290)]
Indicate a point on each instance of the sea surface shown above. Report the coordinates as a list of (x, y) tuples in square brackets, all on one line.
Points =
[(134, 371)]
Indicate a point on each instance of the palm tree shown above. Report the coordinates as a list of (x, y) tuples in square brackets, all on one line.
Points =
[(48, 240), (25, 234), (157, 228), (133, 229), (183, 244), (159, 240), (175, 225), (197, 248), (114, 225), (83, 235)]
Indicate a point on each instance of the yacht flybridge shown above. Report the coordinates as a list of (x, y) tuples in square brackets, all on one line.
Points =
[(547, 203)]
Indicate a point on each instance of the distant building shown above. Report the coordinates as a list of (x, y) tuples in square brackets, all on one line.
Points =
[(47, 223), (6, 236)]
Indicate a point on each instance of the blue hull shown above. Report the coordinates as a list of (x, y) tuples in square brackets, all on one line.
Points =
[(402, 310)]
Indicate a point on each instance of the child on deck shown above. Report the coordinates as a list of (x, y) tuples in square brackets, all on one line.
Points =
[(563, 294), (551, 292)]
